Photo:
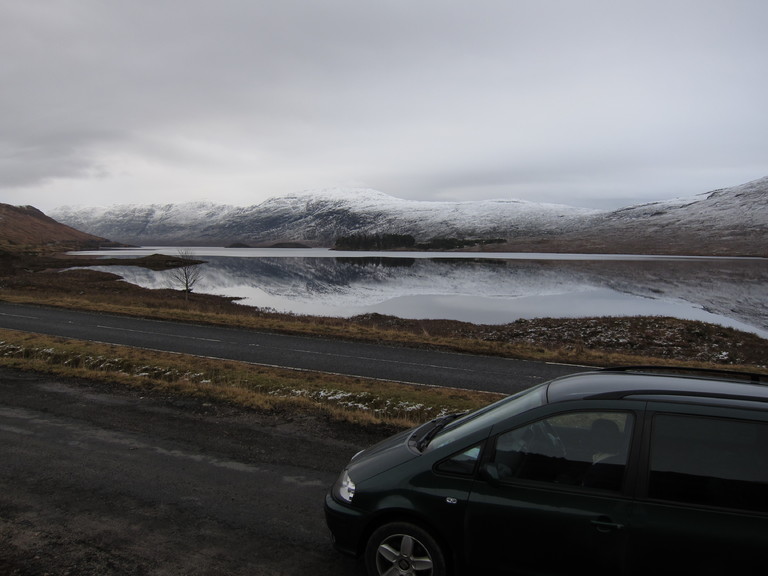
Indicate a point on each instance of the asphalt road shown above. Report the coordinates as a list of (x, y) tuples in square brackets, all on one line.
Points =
[(105, 482), (318, 354)]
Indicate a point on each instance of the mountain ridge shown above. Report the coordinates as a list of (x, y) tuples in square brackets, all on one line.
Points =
[(316, 217), (727, 221), (724, 222)]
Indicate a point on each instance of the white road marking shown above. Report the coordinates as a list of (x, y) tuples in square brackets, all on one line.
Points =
[(157, 333)]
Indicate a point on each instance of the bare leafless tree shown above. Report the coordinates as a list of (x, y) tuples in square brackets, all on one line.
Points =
[(188, 273)]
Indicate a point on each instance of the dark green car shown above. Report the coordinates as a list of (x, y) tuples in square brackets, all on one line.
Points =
[(628, 471)]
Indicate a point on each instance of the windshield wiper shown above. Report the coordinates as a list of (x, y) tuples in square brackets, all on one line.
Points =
[(440, 423)]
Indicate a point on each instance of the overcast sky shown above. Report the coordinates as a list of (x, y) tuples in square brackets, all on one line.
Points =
[(597, 103)]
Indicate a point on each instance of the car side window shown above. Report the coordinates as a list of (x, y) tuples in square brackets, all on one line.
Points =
[(588, 449), (462, 463), (709, 461)]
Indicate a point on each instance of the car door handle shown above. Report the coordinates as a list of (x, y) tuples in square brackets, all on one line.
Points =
[(605, 524)]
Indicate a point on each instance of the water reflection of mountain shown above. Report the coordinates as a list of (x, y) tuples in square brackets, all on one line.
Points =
[(378, 261), (370, 280), (732, 288)]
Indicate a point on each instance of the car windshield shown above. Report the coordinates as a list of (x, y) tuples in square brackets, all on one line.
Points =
[(469, 423)]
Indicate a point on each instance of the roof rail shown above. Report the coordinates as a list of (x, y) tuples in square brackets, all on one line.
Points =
[(733, 374)]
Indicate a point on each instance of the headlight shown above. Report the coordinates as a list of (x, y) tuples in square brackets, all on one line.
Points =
[(345, 488)]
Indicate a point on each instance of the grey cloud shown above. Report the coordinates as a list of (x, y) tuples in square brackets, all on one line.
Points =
[(423, 99)]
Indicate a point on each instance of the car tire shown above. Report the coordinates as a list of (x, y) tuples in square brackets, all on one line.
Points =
[(408, 548)]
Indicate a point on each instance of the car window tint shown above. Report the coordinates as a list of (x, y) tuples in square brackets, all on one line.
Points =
[(462, 463), (588, 449), (710, 461)]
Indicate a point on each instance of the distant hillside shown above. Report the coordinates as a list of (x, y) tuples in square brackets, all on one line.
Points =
[(728, 222), (732, 221), (317, 218), (27, 229)]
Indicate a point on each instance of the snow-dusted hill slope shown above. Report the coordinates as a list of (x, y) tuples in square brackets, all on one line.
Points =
[(744, 206), (731, 221), (318, 217)]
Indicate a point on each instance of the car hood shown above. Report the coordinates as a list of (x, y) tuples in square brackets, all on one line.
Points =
[(381, 457)]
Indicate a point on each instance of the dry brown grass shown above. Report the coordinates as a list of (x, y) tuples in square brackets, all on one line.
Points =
[(356, 400)]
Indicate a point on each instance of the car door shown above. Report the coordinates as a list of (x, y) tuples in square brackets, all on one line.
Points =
[(554, 496), (703, 505)]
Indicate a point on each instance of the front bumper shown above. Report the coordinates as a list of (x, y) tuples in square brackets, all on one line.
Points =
[(346, 525)]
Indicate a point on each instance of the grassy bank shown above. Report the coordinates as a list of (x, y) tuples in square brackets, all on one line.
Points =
[(356, 400)]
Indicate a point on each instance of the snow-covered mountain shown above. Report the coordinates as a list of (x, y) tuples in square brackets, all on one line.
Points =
[(731, 221), (318, 217)]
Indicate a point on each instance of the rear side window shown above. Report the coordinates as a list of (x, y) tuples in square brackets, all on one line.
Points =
[(709, 461), (588, 449)]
